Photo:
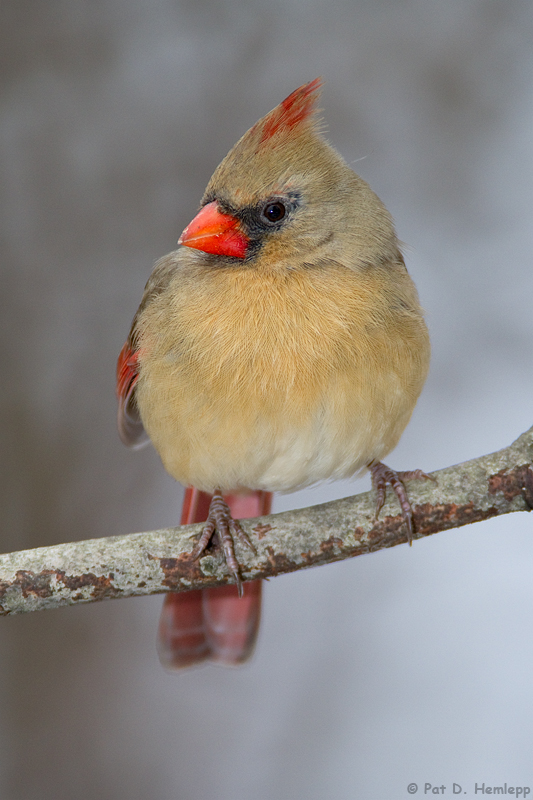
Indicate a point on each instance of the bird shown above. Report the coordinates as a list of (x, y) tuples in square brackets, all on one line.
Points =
[(282, 344)]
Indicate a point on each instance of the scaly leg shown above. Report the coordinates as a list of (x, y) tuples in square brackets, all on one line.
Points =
[(220, 522), (383, 475)]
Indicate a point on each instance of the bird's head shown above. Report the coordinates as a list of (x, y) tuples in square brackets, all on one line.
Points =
[(283, 195)]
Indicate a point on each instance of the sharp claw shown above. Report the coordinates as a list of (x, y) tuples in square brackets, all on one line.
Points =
[(409, 522), (236, 529), (380, 499), (238, 583), (199, 548)]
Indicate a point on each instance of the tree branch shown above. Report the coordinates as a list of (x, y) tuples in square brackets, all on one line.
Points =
[(150, 563)]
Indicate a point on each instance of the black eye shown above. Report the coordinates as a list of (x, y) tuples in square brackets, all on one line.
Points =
[(274, 212)]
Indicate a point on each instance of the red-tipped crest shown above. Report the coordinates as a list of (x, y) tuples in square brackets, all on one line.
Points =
[(291, 112)]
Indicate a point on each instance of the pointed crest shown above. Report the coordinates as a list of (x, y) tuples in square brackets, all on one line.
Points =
[(296, 109), (252, 165)]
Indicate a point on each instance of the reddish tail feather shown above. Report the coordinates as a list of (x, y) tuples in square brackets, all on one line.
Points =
[(212, 624)]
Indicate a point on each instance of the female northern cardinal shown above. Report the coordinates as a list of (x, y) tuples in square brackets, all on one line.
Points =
[(283, 344)]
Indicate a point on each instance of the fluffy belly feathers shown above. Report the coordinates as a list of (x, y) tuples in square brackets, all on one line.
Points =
[(243, 390)]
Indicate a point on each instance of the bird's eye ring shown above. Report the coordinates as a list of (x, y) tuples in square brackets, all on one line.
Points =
[(274, 212)]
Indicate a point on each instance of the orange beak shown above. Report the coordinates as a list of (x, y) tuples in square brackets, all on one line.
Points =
[(215, 232)]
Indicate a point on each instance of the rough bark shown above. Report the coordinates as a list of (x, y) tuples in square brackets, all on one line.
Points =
[(150, 563)]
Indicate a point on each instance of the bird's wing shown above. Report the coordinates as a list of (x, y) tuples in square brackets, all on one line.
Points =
[(130, 427)]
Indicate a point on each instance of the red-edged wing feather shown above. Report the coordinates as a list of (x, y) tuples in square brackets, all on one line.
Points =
[(212, 624), (130, 427)]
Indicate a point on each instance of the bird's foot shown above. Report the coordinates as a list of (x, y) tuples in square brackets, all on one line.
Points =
[(221, 523), (383, 475)]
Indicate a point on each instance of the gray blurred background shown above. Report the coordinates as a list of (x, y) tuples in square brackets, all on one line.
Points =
[(413, 664)]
